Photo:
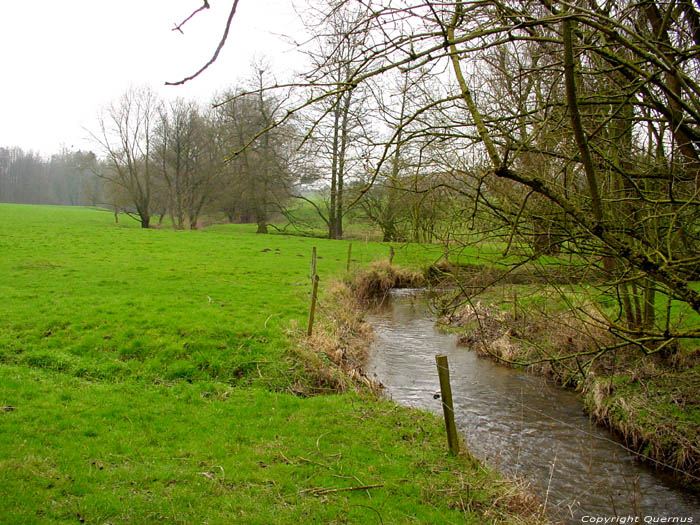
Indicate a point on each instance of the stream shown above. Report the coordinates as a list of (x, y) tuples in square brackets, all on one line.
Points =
[(520, 424)]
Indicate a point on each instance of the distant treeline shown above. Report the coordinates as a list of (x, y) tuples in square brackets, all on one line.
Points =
[(67, 178)]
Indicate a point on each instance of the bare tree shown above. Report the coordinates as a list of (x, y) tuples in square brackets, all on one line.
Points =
[(126, 136), (339, 135), (258, 162), (189, 158)]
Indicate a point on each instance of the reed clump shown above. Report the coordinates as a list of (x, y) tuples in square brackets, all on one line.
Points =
[(334, 355)]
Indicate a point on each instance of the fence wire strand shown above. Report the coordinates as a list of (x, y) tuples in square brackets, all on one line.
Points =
[(585, 432)]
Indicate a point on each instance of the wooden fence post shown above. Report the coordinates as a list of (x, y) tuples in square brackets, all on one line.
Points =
[(313, 263), (391, 255), (312, 310), (349, 254), (447, 406)]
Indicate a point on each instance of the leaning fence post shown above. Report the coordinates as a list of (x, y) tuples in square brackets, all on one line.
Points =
[(447, 406), (312, 310), (349, 254)]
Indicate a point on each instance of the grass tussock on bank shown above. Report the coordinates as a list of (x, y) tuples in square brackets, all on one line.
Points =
[(336, 352), (654, 408), (651, 402), (334, 355), (380, 277)]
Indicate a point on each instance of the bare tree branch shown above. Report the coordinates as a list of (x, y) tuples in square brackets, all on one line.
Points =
[(218, 48), (178, 27)]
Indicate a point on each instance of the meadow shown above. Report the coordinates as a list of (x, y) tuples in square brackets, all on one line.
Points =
[(147, 375)]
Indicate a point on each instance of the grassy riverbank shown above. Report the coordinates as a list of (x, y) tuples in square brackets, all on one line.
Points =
[(153, 375), (650, 401)]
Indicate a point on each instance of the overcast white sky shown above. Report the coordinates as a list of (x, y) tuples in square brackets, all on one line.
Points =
[(63, 60)]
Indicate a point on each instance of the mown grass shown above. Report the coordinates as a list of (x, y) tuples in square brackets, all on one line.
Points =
[(145, 376)]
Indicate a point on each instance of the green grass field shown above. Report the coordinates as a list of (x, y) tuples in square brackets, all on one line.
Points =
[(145, 376)]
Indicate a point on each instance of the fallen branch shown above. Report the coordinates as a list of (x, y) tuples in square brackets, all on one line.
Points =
[(316, 463)]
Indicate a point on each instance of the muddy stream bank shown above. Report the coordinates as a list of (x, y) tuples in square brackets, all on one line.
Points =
[(519, 423)]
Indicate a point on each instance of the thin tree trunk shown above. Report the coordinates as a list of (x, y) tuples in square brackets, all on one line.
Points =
[(332, 211), (341, 166)]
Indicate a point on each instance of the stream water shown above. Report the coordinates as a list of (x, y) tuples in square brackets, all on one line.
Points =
[(519, 423)]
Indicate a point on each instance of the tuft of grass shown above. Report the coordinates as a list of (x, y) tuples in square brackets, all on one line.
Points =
[(334, 355), (380, 277)]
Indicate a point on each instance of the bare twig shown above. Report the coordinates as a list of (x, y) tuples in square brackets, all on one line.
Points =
[(319, 439), (216, 53), (315, 463), (178, 27), (370, 508)]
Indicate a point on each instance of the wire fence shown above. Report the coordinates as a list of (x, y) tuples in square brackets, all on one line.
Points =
[(635, 453)]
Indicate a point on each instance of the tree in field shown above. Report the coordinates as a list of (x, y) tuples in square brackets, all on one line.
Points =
[(189, 159), (258, 164), (338, 134), (402, 199), (126, 136)]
